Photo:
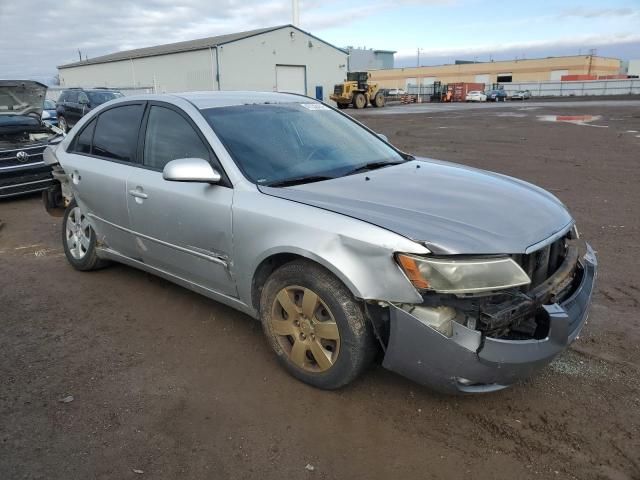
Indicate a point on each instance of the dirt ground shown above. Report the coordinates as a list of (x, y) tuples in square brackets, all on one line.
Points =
[(118, 374)]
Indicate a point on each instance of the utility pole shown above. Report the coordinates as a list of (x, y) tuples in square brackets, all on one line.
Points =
[(592, 52), (79, 54), (418, 61), (295, 10)]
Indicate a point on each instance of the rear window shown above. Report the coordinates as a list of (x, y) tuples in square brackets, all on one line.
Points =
[(98, 98), (116, 133)]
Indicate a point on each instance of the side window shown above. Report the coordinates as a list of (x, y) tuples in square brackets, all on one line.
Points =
[(72, 97), (168, 137), (82, 143), (82, 98), (116, 133), (62, 98)]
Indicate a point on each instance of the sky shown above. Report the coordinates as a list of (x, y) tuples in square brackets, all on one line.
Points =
[(37, 35)]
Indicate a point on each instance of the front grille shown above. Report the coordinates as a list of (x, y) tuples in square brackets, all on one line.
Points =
[(9, 158), (25, 181), (544, 262)]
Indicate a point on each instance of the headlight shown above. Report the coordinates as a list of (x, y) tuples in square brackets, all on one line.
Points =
[(462, 275)]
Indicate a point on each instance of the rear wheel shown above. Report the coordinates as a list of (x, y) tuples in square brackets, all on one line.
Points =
[(315, 326), (79, 240), (359, 100), (342, 106), (378, 101)]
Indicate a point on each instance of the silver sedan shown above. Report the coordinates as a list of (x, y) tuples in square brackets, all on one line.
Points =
[(340, 244)]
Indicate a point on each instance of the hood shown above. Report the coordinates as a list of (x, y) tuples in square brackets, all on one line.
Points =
[(451, 209), (21, 102)]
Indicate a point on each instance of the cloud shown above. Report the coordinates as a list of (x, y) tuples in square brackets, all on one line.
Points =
[(584, 42), (34, 43), (590, 13), (35, 36)]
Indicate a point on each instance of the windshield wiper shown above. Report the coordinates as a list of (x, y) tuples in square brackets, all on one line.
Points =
[(298, 180), (372, 166)]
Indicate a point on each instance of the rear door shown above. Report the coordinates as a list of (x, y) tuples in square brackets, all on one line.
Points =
[(98, 162), (71, 108), (182, 228)]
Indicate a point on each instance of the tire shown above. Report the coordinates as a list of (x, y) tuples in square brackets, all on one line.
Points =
[(326, 344), (359, 100), (378, 101), (342, 106), (62, 124), (79, 240)]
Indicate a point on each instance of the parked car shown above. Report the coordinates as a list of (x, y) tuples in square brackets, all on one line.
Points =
[(339, 243), (521, 95), (475, 96), (75, 103), (23, 138), (394, 92), (49, 114), (497, 95)]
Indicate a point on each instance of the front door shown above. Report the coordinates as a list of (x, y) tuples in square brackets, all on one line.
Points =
[(181, 228)]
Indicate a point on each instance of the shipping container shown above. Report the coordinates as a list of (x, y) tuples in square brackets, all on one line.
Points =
[(577, 78), (459, 90)]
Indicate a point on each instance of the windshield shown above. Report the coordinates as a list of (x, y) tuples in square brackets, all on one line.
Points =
[(275, 142), (98, 98)]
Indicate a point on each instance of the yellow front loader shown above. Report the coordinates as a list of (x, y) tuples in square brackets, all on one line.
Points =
[(357, 91)]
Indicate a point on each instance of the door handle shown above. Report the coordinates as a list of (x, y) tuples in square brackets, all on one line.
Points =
[(138, 193)]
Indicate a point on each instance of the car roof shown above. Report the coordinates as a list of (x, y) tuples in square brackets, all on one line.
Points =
[(97, 89), (212, 99)]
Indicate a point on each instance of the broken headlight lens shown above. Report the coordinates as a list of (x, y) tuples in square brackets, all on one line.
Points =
[(462, 275)]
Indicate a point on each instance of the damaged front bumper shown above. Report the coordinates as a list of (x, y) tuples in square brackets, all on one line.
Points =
[(470, 362)]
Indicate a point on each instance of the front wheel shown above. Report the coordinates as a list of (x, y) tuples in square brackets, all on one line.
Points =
[(315, 326), (79, 240), (359, 100)]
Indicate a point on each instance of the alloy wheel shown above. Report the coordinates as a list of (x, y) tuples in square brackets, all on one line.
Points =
[(305, 328), (77, 233)]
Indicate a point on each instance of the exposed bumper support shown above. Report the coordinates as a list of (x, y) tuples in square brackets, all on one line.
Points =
[(468, 363)]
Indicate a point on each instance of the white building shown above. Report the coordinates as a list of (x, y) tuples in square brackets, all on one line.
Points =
[(283, 58), (363, 60)]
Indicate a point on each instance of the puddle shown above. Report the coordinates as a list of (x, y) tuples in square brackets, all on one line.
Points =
[(575, 119)]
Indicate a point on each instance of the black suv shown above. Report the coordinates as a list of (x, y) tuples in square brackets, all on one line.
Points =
[(73, 104)]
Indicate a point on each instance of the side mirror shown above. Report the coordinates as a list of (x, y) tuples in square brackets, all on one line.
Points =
[(83, 101), (383, 137), (190, 170)]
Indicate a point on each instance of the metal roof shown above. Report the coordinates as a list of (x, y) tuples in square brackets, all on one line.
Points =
[(189, 45)]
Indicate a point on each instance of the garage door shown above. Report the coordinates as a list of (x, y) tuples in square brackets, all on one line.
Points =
[(291, 79)]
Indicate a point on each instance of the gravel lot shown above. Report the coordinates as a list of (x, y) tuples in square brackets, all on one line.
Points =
[(118, 374)]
